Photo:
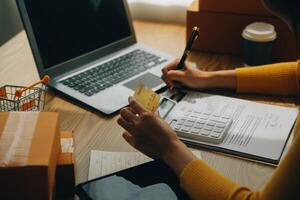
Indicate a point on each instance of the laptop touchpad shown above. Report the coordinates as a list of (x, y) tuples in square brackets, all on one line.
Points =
[(149, 80)]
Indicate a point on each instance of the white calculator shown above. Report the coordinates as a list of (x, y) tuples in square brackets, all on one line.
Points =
[(201, 125)]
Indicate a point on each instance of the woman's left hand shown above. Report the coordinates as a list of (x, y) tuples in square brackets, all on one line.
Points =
[(151, 135)]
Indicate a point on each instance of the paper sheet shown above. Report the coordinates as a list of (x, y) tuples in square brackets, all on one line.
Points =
[(105, 162), (257, 129)]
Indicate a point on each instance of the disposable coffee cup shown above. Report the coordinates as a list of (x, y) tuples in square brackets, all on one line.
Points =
[(258, 39)]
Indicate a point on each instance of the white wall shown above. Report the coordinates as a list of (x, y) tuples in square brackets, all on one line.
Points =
[(173, 11), (10, 22), (157, 10)]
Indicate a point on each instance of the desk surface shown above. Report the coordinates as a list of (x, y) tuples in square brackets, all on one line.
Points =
[(95, 131)]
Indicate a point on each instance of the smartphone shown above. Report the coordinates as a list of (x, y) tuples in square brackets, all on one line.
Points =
[(152, 180), (165, 106)]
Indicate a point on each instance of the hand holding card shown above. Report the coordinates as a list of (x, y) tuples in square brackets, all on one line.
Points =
[(146, 97)]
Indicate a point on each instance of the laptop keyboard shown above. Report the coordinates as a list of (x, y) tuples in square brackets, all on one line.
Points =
[(94, 80)]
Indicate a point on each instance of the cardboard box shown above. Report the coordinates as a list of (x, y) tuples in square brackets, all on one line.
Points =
[(242, 7), (65, 172), (221, 33), (29, 150)]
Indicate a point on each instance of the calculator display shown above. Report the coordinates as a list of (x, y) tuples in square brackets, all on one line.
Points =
[(165, 106)]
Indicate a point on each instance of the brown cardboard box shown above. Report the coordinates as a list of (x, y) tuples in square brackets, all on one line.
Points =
[(65, 173), (243, 7), (29, 150), (221, 33)]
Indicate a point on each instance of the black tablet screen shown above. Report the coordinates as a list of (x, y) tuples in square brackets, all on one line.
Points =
[(152, 180)]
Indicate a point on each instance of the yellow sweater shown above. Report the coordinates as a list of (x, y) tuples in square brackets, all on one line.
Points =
[(202, 182)]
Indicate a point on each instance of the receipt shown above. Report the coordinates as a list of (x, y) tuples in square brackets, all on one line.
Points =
[(146, 97)]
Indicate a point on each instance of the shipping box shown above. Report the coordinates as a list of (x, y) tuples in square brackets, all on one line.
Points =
[(29, 151), (242, 7), (221, 33), (65, 172)]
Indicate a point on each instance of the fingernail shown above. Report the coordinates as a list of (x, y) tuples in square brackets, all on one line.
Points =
[(130, 99)]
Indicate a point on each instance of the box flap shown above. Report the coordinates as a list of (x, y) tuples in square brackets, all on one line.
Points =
[(26, 138), (46, 131), (244, 7)]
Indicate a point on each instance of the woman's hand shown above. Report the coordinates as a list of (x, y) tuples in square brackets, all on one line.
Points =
[(190, 76), (152, 136), (198, 79)]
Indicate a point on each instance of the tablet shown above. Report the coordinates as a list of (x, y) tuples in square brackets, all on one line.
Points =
[(152, 180)]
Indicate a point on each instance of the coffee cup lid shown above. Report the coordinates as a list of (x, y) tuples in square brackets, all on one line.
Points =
[(259, 32)]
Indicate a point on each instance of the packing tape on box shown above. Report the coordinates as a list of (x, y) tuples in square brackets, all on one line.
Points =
[(67, 145), (16, 138)]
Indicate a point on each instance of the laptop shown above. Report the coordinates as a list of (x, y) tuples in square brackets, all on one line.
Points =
[(89, 49)]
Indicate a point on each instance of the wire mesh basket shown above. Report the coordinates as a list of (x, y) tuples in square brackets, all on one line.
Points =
[(19, 98)]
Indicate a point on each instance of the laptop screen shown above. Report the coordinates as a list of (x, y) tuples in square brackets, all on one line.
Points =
[(66, 29)]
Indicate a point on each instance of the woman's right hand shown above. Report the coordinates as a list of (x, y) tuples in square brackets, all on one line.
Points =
[(190, 76), (193, 77)]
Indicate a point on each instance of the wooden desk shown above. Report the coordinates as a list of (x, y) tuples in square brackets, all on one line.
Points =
[(95, 131)]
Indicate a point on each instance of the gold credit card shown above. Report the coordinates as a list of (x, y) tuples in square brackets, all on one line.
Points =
[(146, 97)]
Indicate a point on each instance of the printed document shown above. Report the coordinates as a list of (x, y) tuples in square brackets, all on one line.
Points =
[(258, 130)]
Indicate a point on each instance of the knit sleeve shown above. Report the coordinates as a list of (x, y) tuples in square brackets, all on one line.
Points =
[(279, 79), (202, 182)]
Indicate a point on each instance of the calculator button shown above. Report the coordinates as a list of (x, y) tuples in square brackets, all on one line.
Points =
[(201, 121), (186, 114), (177, 127), (192, 120), (210, 123), (223, 120), (173, 123), (226, 116), (214, 118), (180, 122), (220, 125), (185, 128), (188, 123), (215, 135), (198, 125), (208, 128), (218, 130), (204, 132), (204, 116), (195, 130), (194, 115), (207, 112)]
